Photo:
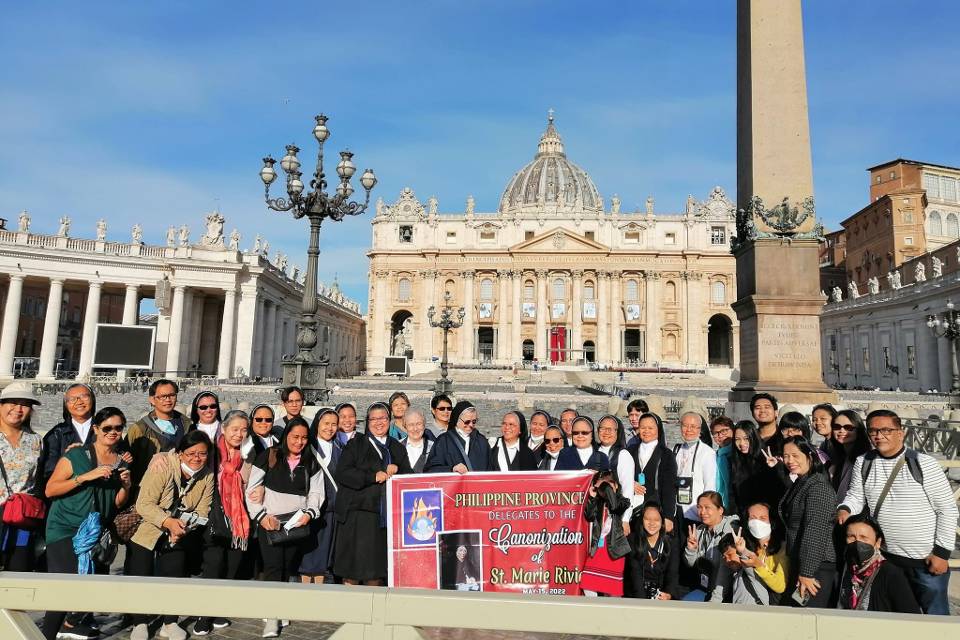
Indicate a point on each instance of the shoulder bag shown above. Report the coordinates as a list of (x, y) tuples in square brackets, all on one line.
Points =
[(22, 510)]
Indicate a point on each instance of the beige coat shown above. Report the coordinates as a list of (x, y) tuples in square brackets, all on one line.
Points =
[(158, 495)]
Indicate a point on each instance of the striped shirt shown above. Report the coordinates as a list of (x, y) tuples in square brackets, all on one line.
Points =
[(916, 519)]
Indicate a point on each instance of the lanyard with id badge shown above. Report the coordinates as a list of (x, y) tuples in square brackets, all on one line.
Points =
[(685, 483)]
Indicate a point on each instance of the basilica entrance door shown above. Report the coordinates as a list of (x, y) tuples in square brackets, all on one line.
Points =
[(558, 344)]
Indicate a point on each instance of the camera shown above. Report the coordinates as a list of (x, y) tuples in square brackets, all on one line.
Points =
[(651, 591)]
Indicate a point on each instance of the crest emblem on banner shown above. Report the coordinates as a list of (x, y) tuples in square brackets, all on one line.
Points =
[(422, 517)]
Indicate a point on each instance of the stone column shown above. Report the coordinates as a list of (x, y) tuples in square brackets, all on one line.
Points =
[(379, 323), (90, 318), (259, 329), (423, 345), (51, 330), (688, 328), (516, 319), (503, 318), (246, 329), (576, 315), (11, 324), (616, 314), (779, 300), (268, 340), (225, 359), (651, 341), (602, 351), (196, 328), (176, 331), (131, 301), (277, 341), (467, 333), (540, 342)]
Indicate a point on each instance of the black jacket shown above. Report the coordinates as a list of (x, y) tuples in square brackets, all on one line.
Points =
[(808, 511), (445, 455), (661, 572), (616, 542), (55, 443), (890, 591), (356, 475), (525, 460), (569, 460), (660, 478)]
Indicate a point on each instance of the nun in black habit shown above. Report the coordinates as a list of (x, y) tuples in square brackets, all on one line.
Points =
[(656, 467), (509, 452), (583, 454), (365, 465), (460, 449)]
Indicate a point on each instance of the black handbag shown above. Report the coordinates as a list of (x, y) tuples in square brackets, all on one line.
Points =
[(105, 551), (283, 536)]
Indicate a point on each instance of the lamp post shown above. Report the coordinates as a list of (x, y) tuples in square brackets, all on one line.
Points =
[(446, 322), (305, 369), (947, 325)]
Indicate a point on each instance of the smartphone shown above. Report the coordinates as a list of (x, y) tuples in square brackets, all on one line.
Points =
[(641, 478), (801, 600)]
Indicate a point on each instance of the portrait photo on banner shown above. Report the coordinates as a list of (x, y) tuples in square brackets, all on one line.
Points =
[(460, 561)]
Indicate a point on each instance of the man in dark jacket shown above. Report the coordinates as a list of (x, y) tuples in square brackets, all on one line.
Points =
[(79, 405)]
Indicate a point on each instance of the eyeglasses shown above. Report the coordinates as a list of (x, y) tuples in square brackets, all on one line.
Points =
[(75, 399), (465, 422), (263, 419), (196, 455), (166, 396), (444, 408), (206, 407), (842, 427), (886, 433), (552, 440), (582, 433), (720, 432), (109, 428)]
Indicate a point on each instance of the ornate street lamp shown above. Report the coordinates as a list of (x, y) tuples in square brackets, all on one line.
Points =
[(446, 322), (947, 325), (305, 369)]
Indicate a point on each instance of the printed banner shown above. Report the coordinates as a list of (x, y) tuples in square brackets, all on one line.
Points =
[(521, 532)]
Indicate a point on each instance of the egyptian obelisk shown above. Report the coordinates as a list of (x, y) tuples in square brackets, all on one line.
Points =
[(777, 232)]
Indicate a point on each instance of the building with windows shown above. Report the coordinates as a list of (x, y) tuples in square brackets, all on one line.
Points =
[(554, 275), (222, 311)]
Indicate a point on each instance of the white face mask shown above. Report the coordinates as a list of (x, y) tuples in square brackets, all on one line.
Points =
[(187, 470), (759, 529)]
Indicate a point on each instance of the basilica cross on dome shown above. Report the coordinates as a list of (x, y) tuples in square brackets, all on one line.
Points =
[(550, 113)]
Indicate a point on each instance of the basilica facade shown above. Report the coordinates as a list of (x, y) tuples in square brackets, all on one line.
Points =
[(555, 275)]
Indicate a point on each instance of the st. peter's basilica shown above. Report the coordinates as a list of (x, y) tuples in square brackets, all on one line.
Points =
[(554, 275)]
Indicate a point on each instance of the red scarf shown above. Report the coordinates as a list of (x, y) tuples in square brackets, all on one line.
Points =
[(231, 494), (860, 578)]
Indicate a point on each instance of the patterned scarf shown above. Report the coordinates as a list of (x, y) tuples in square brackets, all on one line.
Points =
[(230, 484), (860, 582)]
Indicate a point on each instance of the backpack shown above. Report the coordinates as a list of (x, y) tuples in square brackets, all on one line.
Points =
[(912, 459)]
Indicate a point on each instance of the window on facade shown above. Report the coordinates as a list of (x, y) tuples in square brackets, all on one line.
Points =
[(631, 237), (951, 228), (948, 189), (589, 235), (670, 238), (486, 289), (718, 236), (633, 290), (886, 359), (528, 290), (403, 290), (488, 236), (908, 240), (559, 292), (670, 291), (406, 233), (911, 359), (589, 292), (936, 224), (718, 292), (449, 287), (931, 183), (866, 359), (847, 360), (879, 179), (528, 235), (451, 237), (908, 216)]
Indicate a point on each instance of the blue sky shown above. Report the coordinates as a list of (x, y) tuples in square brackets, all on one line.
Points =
[(159, 112)]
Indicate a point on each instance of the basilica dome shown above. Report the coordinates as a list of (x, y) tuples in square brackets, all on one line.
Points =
[(551, 183)]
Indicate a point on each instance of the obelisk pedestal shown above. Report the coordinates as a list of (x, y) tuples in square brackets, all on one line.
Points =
[(777, 239)]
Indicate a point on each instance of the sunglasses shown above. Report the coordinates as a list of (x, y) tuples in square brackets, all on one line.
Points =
[(474, 421), (110, 429), (842, 427), (444, 408), (582, 433), (206, 407), (263, 419), (553, 440)]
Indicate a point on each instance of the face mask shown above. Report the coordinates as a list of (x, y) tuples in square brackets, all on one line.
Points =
[(187, 471), (759, 529), (857, 553)]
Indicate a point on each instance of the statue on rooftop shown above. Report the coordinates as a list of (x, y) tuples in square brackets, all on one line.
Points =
[(137, 234), (24, 222), (64, 229)]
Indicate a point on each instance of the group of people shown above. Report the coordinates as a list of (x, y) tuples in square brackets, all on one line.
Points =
[(765, 518)]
